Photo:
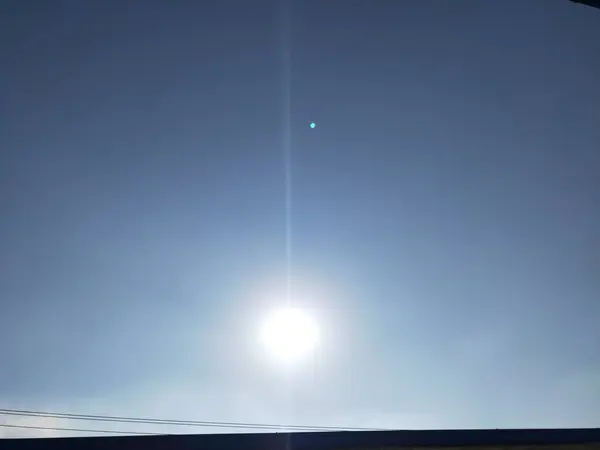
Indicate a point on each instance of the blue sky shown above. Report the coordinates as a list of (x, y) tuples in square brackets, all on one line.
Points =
[(444, 215)]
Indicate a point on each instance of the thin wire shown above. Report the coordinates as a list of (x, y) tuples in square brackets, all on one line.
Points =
[(81, 430), (194, 423)]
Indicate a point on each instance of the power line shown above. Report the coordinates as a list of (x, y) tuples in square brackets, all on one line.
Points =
[(193, 423), (81, 430)]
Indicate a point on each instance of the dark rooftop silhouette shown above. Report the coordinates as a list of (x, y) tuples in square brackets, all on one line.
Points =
[(592, 3), (316, 441)]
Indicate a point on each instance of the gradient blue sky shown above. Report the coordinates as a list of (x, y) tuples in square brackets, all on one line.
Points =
[(445, 210)]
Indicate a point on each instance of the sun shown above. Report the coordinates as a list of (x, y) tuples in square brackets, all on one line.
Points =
[(289, 334)]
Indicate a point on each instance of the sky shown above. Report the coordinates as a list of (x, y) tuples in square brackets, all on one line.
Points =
[(442, 216)]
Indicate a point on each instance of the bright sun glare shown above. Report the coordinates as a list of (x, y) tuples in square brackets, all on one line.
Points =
[(289, 334)]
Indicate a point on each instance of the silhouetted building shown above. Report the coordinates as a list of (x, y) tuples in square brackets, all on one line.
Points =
[(544, 439), (592, 3)]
